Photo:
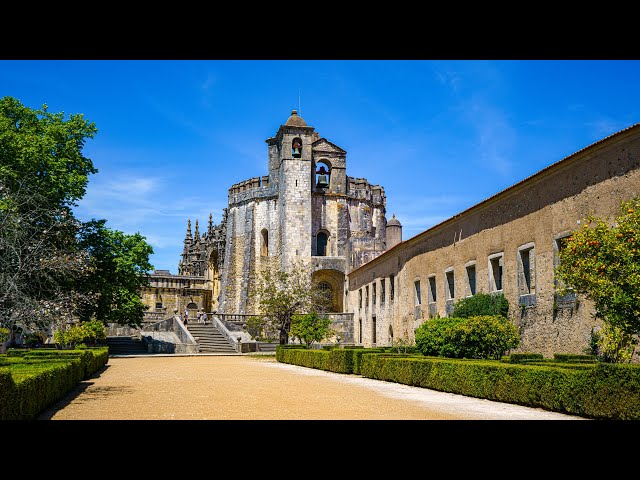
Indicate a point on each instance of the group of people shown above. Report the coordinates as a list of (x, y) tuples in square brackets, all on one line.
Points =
[(202, 316)]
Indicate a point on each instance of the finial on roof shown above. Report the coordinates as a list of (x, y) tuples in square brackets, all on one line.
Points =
[(295, 120)]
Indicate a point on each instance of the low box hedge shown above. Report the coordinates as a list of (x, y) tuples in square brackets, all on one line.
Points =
[(35, 379), (574, 386)]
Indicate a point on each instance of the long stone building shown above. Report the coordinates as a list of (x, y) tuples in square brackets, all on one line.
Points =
[(507, 243), (307, 207)]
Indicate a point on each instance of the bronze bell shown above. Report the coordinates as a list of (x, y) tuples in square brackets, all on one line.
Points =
[(322, 182)]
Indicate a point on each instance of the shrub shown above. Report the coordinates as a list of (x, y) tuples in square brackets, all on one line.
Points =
[(86, 332), (483, 336), (481, 304)]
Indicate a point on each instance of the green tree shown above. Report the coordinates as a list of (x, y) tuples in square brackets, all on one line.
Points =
[(310, 327), (39, 261), (55, 269), (44, 150), (481, 304), (42, 174), (602, 262), (120, 267), (283, 293)]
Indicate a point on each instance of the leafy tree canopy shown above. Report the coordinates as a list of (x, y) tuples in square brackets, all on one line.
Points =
[(284, 293), (120, 268), (602, 262), (44, 149), (310, 327)]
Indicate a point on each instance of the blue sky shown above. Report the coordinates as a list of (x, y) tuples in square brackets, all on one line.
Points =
[(439, 136)]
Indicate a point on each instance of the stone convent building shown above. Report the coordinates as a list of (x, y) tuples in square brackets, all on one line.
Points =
[(506, 244), (306, 208)]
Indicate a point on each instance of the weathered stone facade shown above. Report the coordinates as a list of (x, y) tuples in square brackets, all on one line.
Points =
[(306, 208), (169, 293), (507, 243)]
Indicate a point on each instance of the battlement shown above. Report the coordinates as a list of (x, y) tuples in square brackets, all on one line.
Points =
[(362, 189), (255, 187)]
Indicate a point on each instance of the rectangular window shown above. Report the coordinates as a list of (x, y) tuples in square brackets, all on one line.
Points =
[(359, 330), (496, 262), (471, 279), (373, 293), (382, 291), (360, 298), (450, 293), (366, 297), (526, 270), (158, 305), (432, 289), (568, 300), (416, 285), (391, 288), (373, 329)]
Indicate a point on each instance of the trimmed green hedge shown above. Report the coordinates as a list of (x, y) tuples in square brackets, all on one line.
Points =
[(569, 357), (35, 379), (604, 391), (338, 360), (281, 348), (522, 357), (564, 384)]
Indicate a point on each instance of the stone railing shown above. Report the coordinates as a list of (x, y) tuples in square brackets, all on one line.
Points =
[(235, 324), (232, 331), (169, 336)]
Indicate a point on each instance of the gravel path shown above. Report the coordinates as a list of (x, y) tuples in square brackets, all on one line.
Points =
[(241, 387)]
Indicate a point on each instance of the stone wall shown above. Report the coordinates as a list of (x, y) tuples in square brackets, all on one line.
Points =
[(533, 213)]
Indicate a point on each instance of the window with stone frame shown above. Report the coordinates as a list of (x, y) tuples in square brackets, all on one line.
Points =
[(449, 291), (366, 297), (496, 264), (418, 297), (322, 240), (264, 250), (432, 293), (568, 300), (526, 270), (374, 327), (382, 291), (470, 271)]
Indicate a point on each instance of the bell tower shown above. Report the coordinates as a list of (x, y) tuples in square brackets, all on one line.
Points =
[(293, 142)]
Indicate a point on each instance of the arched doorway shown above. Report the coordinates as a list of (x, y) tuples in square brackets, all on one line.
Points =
[(192, 310), (331, 282)]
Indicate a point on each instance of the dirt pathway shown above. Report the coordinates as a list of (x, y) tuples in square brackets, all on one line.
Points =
[(259, 388)]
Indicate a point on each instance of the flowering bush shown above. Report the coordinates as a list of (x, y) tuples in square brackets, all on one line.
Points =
[(602, 262)]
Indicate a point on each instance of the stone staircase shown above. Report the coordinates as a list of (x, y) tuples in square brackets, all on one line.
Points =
[(126, 345), (209, 338)]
